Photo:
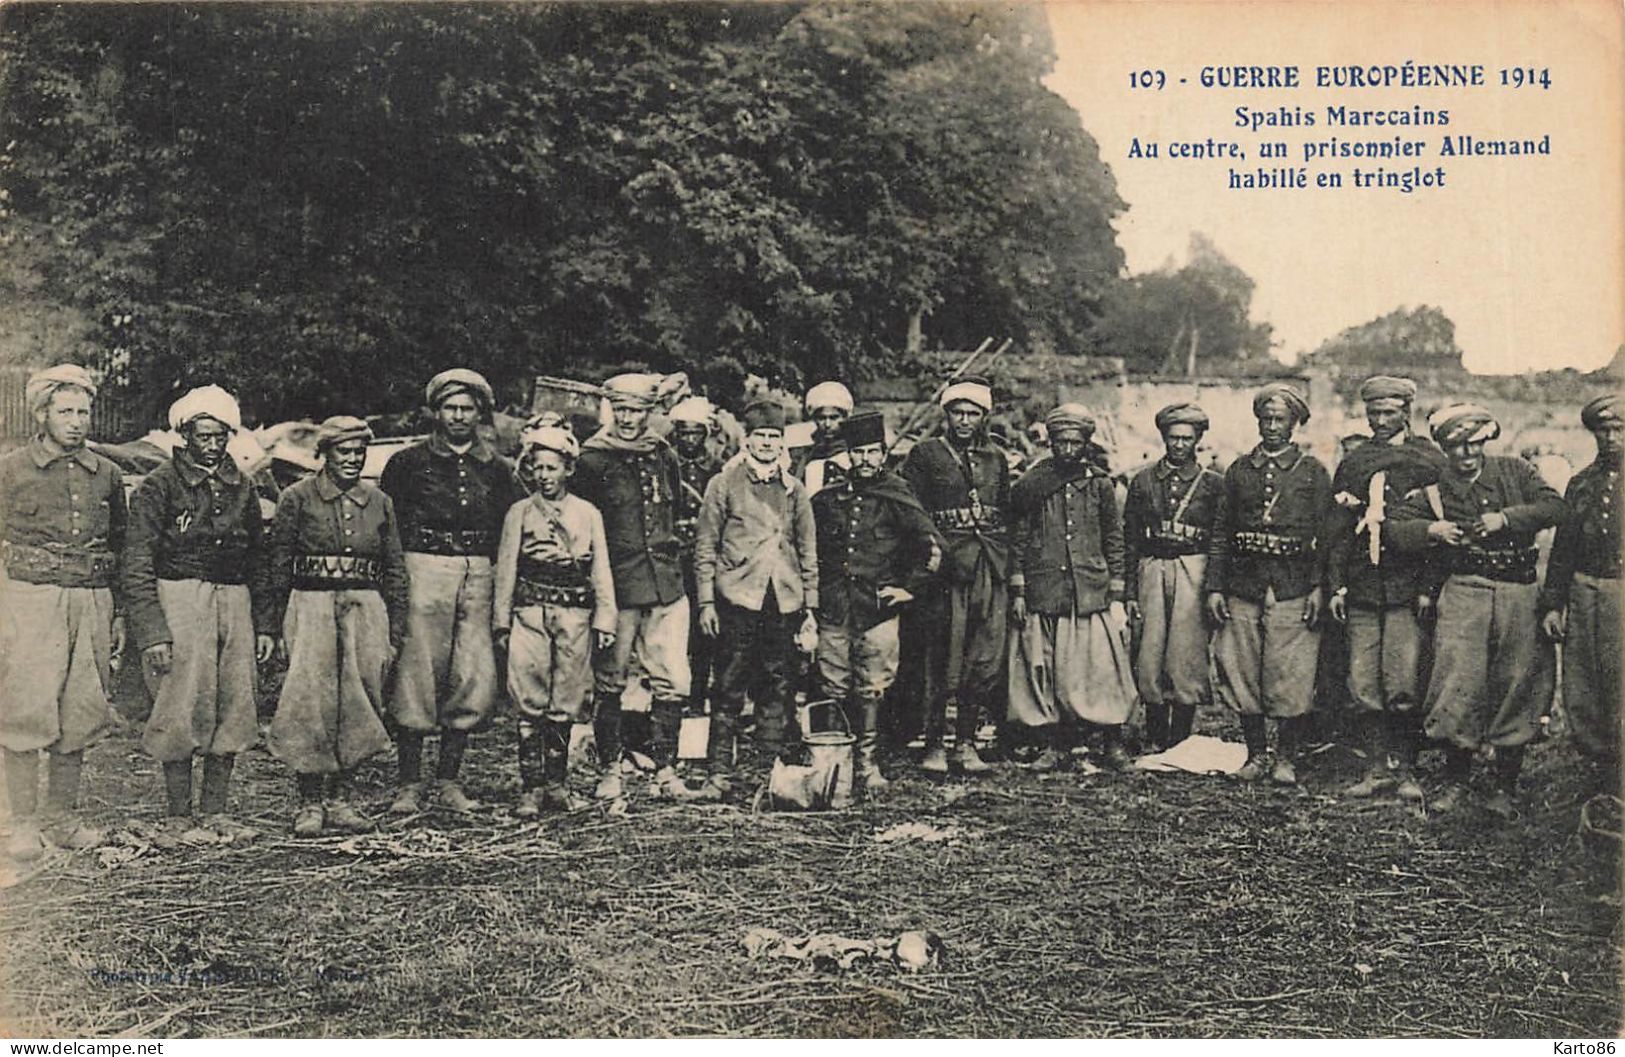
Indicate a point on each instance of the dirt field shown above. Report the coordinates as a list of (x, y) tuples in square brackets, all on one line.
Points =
[(1138, 904)]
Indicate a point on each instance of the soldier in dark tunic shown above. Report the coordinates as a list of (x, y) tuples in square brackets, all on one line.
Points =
[(632, 477), (451, 493), (1070, 654), (823, 462), (877, 551), (1373, 586), (1493, 672), (963, 481), (62, 525), (1263, 583), (1580, 602), (196, 579), (1166, 517), (691, 423)]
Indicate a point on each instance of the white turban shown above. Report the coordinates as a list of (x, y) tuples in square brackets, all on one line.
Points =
[(829, 394), (696, 410), (209, 401), (978, 393), (551, 438), (1463, 424)]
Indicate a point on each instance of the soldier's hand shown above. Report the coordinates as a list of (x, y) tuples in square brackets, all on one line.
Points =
[(118, 638), (1018, 607), (1551, 625), (1338, 607), (500, 638), (1424, 607), (1311, 607), (1491, 523), (1131, 609), (895, 596), (158, 658), (1117, 619), (710, 625), (1218, 610), (1447, 532), (282, 650), (603, 641), (264, 646)]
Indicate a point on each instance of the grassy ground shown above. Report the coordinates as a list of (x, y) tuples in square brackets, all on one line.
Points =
[(1137, 904)]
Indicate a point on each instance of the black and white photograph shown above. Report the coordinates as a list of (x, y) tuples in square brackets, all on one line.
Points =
[(629, 519)]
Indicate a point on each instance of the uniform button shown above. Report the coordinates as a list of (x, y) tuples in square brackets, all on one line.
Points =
[(75, 497), (218, 542), (76, 513), (1069, 535), (349, 532), (76, 532), (347, 550)]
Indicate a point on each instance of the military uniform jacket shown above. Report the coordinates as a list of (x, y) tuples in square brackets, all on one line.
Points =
[(325, 537), (1508, 485), (1067, 538), (871, 534), (189, 524), (1269, 526), (694, 474), (636, 492), (1393, 581), (450, 503), (1588, 538), (967, 495), (62, 516), (1168, 512)]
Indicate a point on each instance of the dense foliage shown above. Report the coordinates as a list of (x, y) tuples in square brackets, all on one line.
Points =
[(1406, 338), (321, 204), (1193, 319)]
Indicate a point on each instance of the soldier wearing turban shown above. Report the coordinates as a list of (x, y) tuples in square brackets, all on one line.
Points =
[(1265, 565), (963, 480), (554, 605), (1069, 655), (823, 462), (196, 577), (1166, 516), (1374, 586), (339, 586), (451, 493), (62, 526), (691, 427), (1580, 602), (635, 480), (1474, 533)]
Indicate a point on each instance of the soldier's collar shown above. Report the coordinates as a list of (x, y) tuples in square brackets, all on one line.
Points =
[(1184, 473), (1283, 459), (45, 454), (193, 474), (479, 451), (328, 491)]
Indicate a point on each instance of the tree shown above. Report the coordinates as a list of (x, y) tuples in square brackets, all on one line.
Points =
[(1421, 338), (1185, 320), (320, 205)]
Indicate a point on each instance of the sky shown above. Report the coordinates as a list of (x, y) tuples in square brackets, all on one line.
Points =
[(1525, 255)]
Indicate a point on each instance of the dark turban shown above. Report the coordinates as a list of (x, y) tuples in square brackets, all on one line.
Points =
[(1182, 415), (1604, 410), (340, 428), (1294, 401), (1387, 387), (447, 384), (865, 427), (1069, 416)]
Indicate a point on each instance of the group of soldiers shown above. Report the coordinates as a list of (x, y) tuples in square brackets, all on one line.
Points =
[(1036, 600)]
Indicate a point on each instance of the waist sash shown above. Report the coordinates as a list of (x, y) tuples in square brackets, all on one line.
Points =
[(336, 572), (92, 565)]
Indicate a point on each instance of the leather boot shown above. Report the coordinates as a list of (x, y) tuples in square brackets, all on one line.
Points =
[(178, 787), (556, 767), (532, 769), (1180, 727), (216, 780), (666, 723), (449, 764), (1157, 726), (606, 729), (408, 757), (868, 767)]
